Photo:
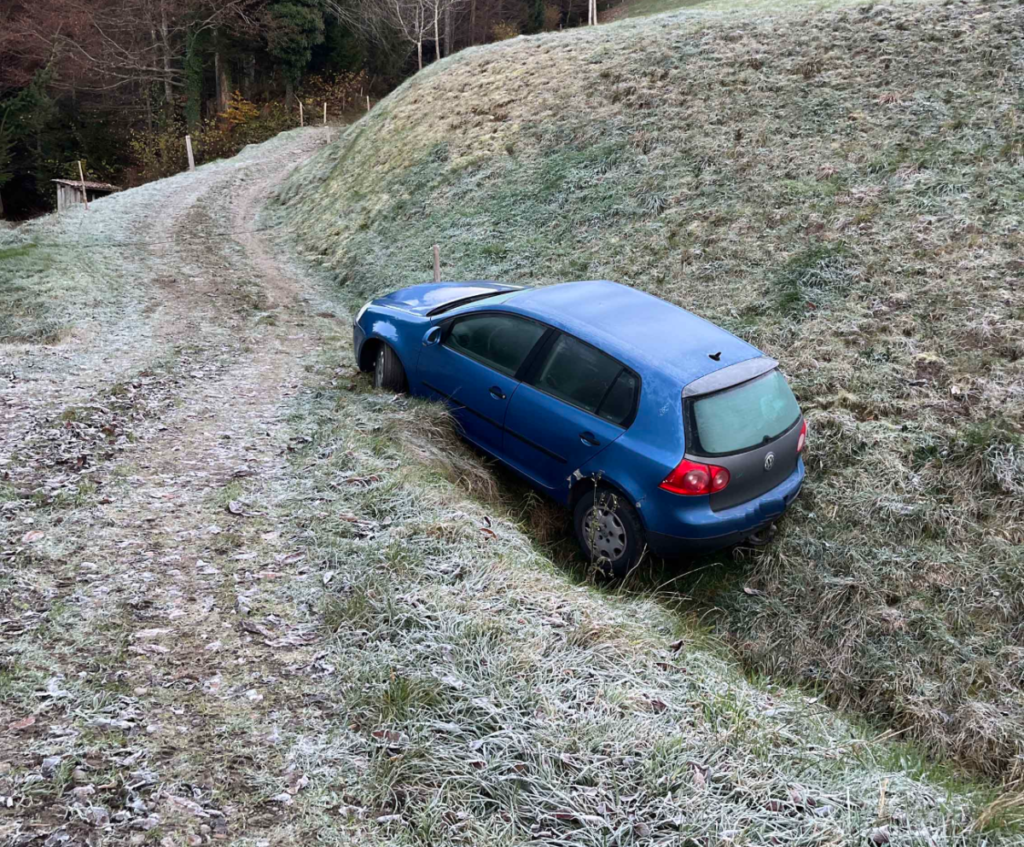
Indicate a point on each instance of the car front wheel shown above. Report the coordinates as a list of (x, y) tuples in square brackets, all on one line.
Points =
[(388, 372), (609, 531)]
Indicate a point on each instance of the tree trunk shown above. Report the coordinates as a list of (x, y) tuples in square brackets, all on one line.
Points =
[(472, 22), (437, 34), (289, 94), (250, 76), (419, 52), (1, 204), (168, 90), (220, 72), (448, 29)]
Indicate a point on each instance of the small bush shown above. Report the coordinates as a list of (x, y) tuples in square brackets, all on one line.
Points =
[(504, 30)]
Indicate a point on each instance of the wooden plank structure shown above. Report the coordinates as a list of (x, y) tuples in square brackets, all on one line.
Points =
[(71, 191)]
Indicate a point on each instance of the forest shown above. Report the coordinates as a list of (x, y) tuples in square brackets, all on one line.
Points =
[(116, 84)]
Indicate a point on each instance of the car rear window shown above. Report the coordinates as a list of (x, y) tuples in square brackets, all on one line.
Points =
[(744, 416)]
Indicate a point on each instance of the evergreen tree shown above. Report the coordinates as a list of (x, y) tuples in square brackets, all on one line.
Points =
[(294, 28)]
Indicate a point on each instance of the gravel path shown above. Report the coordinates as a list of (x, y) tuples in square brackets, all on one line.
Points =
[(134, 432)]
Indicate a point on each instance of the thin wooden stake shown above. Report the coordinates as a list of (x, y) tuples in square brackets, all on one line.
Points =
[(85, 194), (437, 263), (325, 113), (188, 149), (367, 102), (302, 121)]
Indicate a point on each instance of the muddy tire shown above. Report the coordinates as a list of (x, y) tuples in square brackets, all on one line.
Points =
[(388, 373), (609, 531)]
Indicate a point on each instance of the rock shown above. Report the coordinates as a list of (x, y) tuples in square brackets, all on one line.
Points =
[(50, 765), (79, 776)]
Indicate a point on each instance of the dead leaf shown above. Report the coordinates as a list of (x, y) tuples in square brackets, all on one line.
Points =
[(24, 723), (490, 533), (152, 633), (676, 646), (388, 735), (752, 592), (236, 508), (32, 536)]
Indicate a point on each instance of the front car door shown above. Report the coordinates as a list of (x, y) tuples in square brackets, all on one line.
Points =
[(574, 402), (472, 364)]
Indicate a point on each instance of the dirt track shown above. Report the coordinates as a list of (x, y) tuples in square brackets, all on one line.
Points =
[(146, 583)]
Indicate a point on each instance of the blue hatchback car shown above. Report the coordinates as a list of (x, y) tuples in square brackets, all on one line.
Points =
[(657, 428)]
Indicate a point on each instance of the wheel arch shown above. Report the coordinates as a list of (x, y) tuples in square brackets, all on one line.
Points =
[(583, 484), (368, 353)]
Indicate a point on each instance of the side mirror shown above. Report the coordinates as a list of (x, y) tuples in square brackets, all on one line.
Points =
[(433, 335)]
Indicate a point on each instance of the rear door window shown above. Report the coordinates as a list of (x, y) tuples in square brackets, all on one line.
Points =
[(589, 379), (500, 341), (744, 416)]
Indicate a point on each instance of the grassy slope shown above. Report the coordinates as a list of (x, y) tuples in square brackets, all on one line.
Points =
[(844, 190)]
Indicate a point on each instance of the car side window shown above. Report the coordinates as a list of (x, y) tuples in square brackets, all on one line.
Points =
[(585, 377), (499, 341)]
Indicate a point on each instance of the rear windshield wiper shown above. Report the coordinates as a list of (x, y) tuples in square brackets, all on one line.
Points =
[(446, 307)]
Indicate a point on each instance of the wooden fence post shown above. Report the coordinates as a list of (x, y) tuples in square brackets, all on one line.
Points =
[(188, 149), (437, 263), (81, 176), (302, 121), (367, 102), (325, 113)]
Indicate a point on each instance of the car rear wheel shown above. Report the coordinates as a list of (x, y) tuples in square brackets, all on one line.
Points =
[(388, 372), (609, 531)]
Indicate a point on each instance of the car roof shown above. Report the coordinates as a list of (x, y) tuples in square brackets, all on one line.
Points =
[(641, 330)]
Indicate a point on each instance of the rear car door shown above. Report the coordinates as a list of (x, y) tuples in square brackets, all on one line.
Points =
[(574, 401), (472, 363)]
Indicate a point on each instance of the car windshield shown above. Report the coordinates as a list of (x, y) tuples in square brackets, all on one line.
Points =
[(744, 416)]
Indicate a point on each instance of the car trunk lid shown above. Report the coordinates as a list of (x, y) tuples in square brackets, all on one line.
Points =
[(745, 419)]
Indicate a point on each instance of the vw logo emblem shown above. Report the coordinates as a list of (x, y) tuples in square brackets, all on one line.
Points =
[(769, 461)]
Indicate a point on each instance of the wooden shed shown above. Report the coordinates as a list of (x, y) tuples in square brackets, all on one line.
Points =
[(71, 191)]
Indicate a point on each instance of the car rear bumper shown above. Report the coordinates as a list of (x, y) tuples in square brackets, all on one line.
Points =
[(703, 531)]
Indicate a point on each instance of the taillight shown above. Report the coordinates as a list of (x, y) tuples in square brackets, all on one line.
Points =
[(801, 442), (695, 478)]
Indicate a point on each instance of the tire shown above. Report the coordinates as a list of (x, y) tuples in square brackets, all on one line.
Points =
[(618, 536), (388, 373)]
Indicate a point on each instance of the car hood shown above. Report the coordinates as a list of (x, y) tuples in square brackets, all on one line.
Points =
[(424, 298)]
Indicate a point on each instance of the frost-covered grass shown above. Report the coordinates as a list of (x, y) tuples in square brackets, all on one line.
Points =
[(842, 188), (469, 693)]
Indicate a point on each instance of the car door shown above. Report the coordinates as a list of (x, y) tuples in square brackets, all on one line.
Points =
[(472, 362), (574, 402)]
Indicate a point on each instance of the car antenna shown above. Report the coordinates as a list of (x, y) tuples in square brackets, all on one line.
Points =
[(715, 356)]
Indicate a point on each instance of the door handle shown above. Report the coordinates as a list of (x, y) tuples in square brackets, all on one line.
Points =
[(589, 439), (497, 393)]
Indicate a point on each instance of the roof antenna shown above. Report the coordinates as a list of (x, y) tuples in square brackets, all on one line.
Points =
[(715, 356)]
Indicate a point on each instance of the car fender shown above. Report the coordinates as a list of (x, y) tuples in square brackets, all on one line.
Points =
[(402, 331)]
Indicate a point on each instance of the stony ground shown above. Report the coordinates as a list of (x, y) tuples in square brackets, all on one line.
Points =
[(243, 598)]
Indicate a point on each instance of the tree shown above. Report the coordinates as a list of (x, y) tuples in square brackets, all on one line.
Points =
[(294, 27), (6, 157)]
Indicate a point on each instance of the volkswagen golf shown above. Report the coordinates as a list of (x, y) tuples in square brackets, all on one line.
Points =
[(658, 429)]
